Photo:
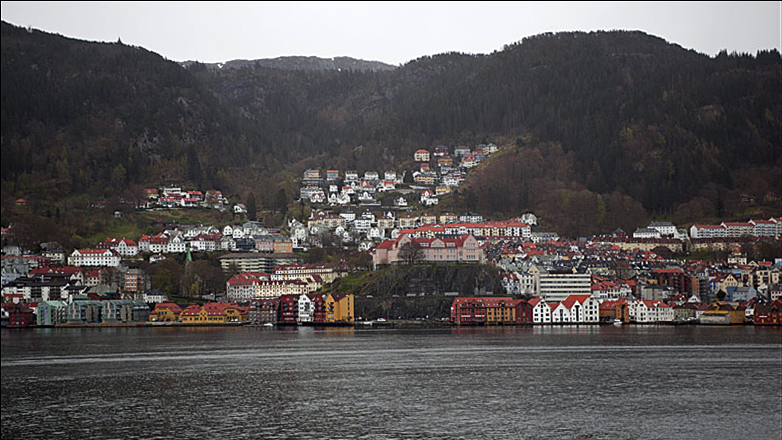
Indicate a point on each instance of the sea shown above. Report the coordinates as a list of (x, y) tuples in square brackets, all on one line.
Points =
[(574, 382)]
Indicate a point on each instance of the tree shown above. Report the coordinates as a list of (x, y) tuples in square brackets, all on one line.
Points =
[(411, 253), (281, 202), (251, 208), (361, 261), (166, 276), (194, 173)]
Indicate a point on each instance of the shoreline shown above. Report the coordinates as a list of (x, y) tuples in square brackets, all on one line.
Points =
[(371, 324)]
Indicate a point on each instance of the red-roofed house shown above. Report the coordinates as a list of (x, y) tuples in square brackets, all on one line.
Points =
[(738, 229), (463, 249), (421, 155), (165, 312), (708, 231), (764, 228), (489, 310), (642, 311), (541, 311), (94, 257)]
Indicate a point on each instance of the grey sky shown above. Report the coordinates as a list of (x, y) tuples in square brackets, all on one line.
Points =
[(391, 32)]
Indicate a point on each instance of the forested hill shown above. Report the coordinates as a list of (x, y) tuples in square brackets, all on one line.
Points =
[(300, 63), (620, 121)]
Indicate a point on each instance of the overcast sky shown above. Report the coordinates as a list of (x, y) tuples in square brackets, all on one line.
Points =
[(390, 32)]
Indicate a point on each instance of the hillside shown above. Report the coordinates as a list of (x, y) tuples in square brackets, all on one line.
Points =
[(299, 63), (597, 130)]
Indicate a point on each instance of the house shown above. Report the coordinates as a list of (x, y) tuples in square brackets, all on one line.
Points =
[(666, 229), (645, 311), (339, 308), (461, 249), (541, 311), (306, 309), (425, 178), (738, 229), (288, 309), (263, 311), (448, 217), (490, 310), (421, 155), (611, 311), (582, 309), (428, 198), (685, 311), (646, 233), (560, 314), (468, 311), (94, 257), (764, 228), (84, 311), (471, 217), (440, 151), (51, 313), (332, 175), (427, 219), (19, 315), (445, 161), (708, 231), (461, 151), (245, 285), (720, 313), (523, 312), (768, 314)]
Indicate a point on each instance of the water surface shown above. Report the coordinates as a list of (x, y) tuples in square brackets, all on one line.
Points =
[(645, 382)]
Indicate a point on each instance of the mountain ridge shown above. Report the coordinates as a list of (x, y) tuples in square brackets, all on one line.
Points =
[(298, 63), (595, 111)]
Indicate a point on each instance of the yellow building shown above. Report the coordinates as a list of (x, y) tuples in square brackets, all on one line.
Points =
[(213, 313), (165, 312), (500, 311), (340, 307), (723, 314)]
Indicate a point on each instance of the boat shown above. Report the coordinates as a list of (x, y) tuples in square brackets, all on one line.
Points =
[(268, 324), (618, 322)]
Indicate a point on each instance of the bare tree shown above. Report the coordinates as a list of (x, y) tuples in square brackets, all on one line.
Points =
[(411, 253)]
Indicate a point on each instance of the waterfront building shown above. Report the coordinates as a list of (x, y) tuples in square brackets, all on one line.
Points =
[(541, 311), (50, 313), (490, 310), (339, 307), (768, 314), (19, 315), (165, 312), (644, 311), (721, 313)]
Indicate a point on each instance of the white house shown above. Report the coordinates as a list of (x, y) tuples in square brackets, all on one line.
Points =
[(94, 257), (306, 309), (665, 228), (560, 314), (541, 312), (646, 233), (643, 311), (176, 244)]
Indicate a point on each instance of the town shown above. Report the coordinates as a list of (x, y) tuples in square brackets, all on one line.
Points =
[(611, 278)]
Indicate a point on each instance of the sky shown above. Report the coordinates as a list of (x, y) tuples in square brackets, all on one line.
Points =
[(392, 32)]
